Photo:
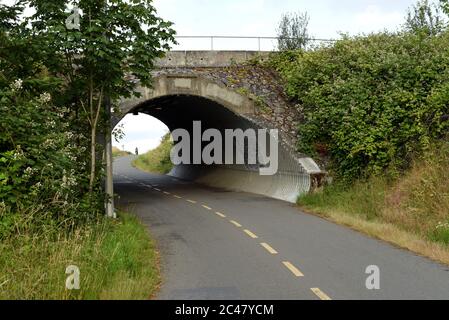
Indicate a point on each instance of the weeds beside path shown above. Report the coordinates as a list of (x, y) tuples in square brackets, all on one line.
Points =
[(411, 211), (157, 160), (116, 258)]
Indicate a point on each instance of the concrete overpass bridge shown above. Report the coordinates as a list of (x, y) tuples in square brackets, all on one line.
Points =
[(223, 90)]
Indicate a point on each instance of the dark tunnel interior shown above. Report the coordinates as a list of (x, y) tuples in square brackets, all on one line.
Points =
[(180, 111)]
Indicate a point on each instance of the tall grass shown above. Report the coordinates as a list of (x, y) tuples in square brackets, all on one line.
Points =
[(416, 202), (419, 201), (116, 259), (157, 160), (116, 152), (364, 199)]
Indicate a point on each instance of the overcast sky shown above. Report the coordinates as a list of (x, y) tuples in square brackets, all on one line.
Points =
[(260, 17)]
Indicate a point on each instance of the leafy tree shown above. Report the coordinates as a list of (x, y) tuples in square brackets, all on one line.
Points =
[(444, 5), (39, 161), (55, 84), (293, 31), (114, 46), (425, 18)]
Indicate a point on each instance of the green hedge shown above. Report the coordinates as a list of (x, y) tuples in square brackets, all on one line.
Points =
[(370, 103)]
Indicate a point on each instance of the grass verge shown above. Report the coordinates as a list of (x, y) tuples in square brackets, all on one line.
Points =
[(411, 212), (157, 160), (116, 153), (116, 259)]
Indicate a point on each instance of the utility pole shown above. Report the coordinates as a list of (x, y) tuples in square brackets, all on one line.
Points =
[(110, 212)]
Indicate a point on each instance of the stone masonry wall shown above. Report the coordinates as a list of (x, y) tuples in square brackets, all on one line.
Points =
[(261, 85)]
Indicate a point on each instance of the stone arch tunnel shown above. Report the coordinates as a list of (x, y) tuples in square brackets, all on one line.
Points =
[(180, 96)]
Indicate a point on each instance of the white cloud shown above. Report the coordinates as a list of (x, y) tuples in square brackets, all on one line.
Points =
[(142, 131), (142, 123), (373, 18), (260, 17)]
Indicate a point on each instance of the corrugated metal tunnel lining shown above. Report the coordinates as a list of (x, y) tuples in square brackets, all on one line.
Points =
[(180, 111)]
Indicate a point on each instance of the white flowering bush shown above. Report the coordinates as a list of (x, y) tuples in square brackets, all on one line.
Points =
[(42, 161)]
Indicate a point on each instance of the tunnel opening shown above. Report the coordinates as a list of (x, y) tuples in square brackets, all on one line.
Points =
[(186, 112), (138, 132), (179, 111)]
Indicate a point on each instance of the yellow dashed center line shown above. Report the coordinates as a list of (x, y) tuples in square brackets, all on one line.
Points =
[(320, 294), (220, 214), (238, 225), (269, 248), (293, 269), (252, 235)]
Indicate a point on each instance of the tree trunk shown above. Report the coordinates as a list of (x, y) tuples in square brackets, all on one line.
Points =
[(93, 156), (95, 116)]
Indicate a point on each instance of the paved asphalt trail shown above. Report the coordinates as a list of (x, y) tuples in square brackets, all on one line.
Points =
[(209, 250)]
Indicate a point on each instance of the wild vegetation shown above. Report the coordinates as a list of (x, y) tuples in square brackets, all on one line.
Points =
[(370, 103), (116, 152), (157, 160), (376, 112), (410, 211), (116, 259), (58, 81)]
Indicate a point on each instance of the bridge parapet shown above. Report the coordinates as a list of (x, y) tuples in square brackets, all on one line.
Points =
[(207, 59)]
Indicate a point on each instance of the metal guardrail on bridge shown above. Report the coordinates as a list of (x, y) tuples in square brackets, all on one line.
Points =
[(258, 41)]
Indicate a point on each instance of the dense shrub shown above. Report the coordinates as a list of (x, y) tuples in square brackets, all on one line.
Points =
[(71, 76), (370, 102), (42, 161)]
